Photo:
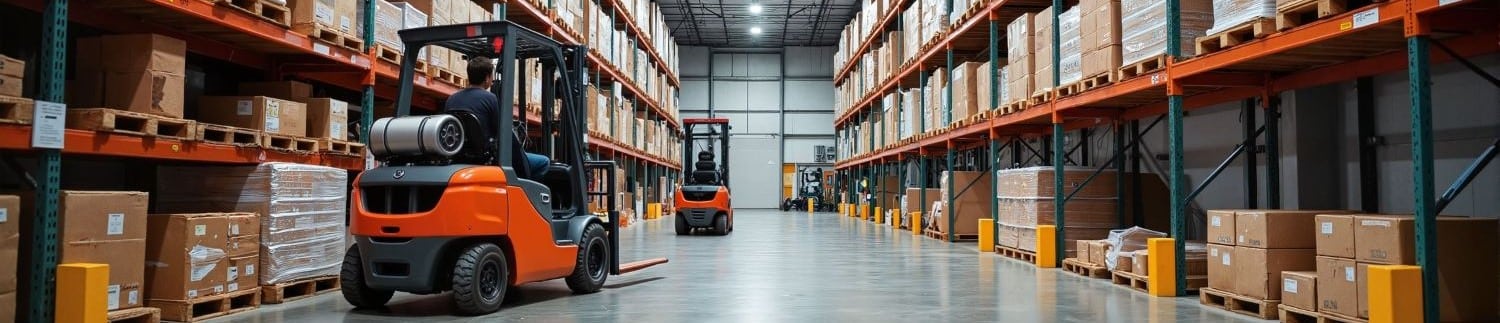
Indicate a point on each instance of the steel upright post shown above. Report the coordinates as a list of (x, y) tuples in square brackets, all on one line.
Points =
[(948, 205), (44, 233), (1175, 146), (1422, 171)]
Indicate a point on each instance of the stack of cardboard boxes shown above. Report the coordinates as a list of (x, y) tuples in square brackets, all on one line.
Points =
[(137, 72), (12, 75), (970, 193), (1026, 200), (313, 16), (1233, 13), (280, 107), (1068, 49), (201, 255), (1348, 244), (1100, 34), (1021, 53), (10, 247)]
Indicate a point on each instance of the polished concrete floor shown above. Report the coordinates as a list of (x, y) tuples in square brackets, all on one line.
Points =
[(795, 267)]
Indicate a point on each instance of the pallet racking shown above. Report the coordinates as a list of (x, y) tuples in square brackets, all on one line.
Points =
[(1382, 37), (243, 38)]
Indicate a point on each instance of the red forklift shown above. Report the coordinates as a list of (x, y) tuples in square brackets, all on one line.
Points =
[(703, 200)]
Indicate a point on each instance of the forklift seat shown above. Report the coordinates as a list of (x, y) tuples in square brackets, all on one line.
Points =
[(704, 171)]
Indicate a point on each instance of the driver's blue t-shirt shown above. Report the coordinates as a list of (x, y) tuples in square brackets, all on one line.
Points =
[(481, 103)]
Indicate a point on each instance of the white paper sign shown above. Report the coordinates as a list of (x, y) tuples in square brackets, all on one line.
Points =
[(1367, 17), (48, 124), (1289, 285), (4, 215), (116, 224), (113, 299), (1327, 228), (1349, 273)]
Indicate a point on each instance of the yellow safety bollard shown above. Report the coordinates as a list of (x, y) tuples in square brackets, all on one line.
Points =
[(987, 235), (1046, 247), (896, 220), (1161, 267), (82, 293), (916, 223), (878, 212), (1395, 293), (809, 205)]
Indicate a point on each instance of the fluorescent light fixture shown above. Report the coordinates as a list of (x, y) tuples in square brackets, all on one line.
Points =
[(755, 8), (754, 30)]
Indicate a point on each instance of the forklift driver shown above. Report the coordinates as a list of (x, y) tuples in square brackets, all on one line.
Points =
[(478, 99)]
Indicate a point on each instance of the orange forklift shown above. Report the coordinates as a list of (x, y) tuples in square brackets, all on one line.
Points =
[(703, 199), (454, 209)]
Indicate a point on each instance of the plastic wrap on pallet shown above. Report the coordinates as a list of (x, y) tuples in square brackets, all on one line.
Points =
[(1092, 213), (1071, 68), (301, 208), (1231, 13), (959, 7), (1039, 182), (1004, 89), (1144, 27)]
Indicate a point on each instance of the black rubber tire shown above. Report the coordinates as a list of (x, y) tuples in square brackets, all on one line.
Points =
[(721, 224), (352, 277), (682, 225), (592, 268), (481, 275)]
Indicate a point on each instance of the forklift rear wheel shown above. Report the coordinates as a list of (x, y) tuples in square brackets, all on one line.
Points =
[(352, 275), (480, 278), (593, 259), (682, 225), (721, 224)]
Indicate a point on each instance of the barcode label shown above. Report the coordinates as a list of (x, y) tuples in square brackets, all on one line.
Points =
[(1366, 18)]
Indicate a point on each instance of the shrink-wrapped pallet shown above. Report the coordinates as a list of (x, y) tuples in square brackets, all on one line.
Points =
[(301, 208), (1071, 47), (1100, 33), (1143, 27), (1026, 199), (1068, 49), (1232, 13)]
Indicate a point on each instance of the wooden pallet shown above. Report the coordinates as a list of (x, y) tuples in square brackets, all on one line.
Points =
[(265, 9), (331, 35), (135, 315), (129, 122), (1040, 97), (1022, 255), (388, 54), (1290, 314), (1014, 107), (1263, 309), (446, 76), (1250, 30), (289, 143), (228, 135), (208, 307), (299, 289), (1073, 265), (341, 147), (1141, 68), (1339, 318), (1291, 15), (1088, 83), (1139, 282), (16, 110)]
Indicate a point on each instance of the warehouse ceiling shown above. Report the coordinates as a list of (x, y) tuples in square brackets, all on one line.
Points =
[(728, 23)]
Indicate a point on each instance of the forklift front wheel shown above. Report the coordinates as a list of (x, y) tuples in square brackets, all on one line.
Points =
[(721, 224), (480, 278), (352, 277), (593, 260)]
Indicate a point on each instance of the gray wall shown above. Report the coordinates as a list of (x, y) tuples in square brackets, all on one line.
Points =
[(780, 105)]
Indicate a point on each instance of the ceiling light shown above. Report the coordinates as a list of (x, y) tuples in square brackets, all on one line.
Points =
[(754, 30), (755, 8)]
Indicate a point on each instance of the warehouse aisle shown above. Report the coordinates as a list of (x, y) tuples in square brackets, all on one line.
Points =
[(795, 267)]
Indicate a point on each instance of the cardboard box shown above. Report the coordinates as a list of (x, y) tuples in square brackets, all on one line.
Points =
[(971, 201), (326, 119), (241, 273), (137, 72), (914, 201), (1221, 267), (12, 75), (285, 90), (1276, 229), (10, 243), (1125, 260), (413, 17), (255, 112), (187, 255), (1335, 237), (1257, 271), (346, 17), (8, 305), (321, 12), (244, 234), (1221, 227), (1337, 286), (107, 228), (1139, 265), (1098, 252), (1467, 249), (1083, 250), (1300, 289), (388, 20)]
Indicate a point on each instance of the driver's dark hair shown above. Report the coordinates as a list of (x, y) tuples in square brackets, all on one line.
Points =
[(480, 69)]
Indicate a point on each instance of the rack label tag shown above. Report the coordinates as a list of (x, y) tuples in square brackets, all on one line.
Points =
[(48, 124), (1366, 18)]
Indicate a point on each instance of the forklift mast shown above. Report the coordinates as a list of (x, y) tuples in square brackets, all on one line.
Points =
[(708, 130)]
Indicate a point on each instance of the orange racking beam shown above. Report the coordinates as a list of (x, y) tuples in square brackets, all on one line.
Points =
[(88, 15), (1318, 31)]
